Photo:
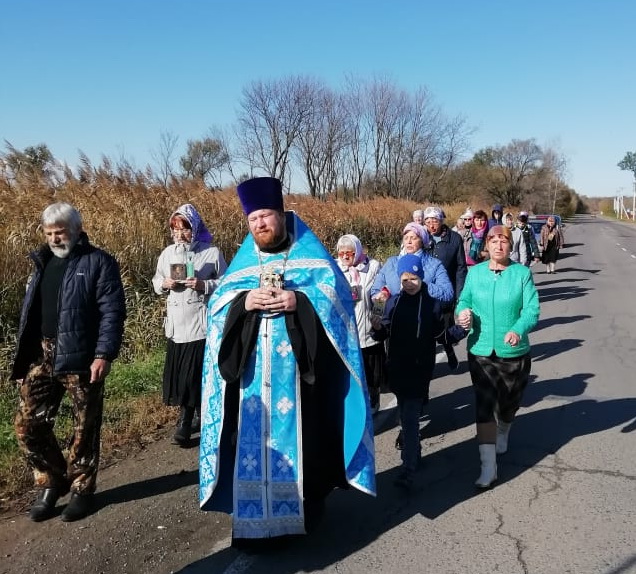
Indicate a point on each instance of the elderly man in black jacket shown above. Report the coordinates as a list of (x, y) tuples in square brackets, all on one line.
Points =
[(70, 331), (447, 246)]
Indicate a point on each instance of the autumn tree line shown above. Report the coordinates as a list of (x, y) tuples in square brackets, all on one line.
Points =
[(368, 138)]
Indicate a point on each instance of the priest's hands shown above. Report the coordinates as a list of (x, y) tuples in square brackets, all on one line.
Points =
[(272, 299)]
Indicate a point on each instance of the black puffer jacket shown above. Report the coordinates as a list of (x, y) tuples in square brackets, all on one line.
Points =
[(91, 311), (450, 251)]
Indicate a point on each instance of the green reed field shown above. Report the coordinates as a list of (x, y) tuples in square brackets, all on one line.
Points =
[(129, 220)]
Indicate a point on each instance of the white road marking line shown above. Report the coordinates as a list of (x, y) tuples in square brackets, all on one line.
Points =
[(624, 249), (633, 256)]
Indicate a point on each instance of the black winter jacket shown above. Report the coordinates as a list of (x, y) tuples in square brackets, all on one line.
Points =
[(450, 251), (411, 329), (91, 311)]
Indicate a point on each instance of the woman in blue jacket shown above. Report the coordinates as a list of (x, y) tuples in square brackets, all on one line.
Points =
[(387, 284)]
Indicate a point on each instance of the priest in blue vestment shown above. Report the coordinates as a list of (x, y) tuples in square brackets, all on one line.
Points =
[(285, 408)]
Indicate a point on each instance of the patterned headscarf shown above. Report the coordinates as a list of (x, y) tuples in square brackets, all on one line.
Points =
[(199, 230), (420, 231), (434, 213)]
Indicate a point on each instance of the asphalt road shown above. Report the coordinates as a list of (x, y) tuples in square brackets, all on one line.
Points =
[(565, 501)]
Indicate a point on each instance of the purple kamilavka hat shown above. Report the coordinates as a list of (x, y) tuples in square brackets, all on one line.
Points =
[(260, 193)]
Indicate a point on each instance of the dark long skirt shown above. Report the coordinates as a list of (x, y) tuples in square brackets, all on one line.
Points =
[(498, 384), (182, 373), (550, 253)]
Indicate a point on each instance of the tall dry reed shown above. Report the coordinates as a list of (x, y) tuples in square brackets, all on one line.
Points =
[(129, 219)]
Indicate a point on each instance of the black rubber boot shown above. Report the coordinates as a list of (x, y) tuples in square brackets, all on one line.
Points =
[(44, 506), (78, 507), (184, 427)]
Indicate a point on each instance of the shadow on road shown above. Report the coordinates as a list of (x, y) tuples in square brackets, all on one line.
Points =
[(569, 387), (542, 351), (566, 280), (625, 567), (562, 293), (552, 321), (567, 269), (146, 488), (563, 255), (353, 521), (453, 411)]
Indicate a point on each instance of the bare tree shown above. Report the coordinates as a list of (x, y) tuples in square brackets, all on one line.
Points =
[(416, 144), (357, 154), (550, 181), (165, 156), (270, 117), (386, 109), (412, 146), (370, 135), (511, 165), (321, 140), (452, 144)]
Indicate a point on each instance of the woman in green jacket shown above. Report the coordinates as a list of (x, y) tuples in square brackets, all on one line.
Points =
[(500, 305)]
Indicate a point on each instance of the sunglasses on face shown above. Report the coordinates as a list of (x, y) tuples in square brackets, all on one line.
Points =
[(346, 253)]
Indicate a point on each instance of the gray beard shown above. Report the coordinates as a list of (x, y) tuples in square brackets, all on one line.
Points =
[(61, 253), (65, 251)]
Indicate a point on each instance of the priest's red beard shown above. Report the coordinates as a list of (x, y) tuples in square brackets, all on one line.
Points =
[(270, 236)]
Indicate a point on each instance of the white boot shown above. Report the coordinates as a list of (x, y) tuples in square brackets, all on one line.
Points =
[(488, 455), (503, 429)]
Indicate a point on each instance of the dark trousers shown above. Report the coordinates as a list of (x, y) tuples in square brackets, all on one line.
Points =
[(41, 393), (409, 410)]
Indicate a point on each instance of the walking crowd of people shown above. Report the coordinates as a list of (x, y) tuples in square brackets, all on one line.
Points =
[(280, 358)]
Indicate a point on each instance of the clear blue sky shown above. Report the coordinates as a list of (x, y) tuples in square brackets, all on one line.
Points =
[(107, 77)]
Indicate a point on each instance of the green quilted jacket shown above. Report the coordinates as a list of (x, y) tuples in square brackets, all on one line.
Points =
[(502, 302)]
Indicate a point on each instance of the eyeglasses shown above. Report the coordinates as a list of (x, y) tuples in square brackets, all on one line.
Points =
[(346, 253)]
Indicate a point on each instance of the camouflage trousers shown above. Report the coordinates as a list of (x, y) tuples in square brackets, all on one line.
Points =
[(41, 393)]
